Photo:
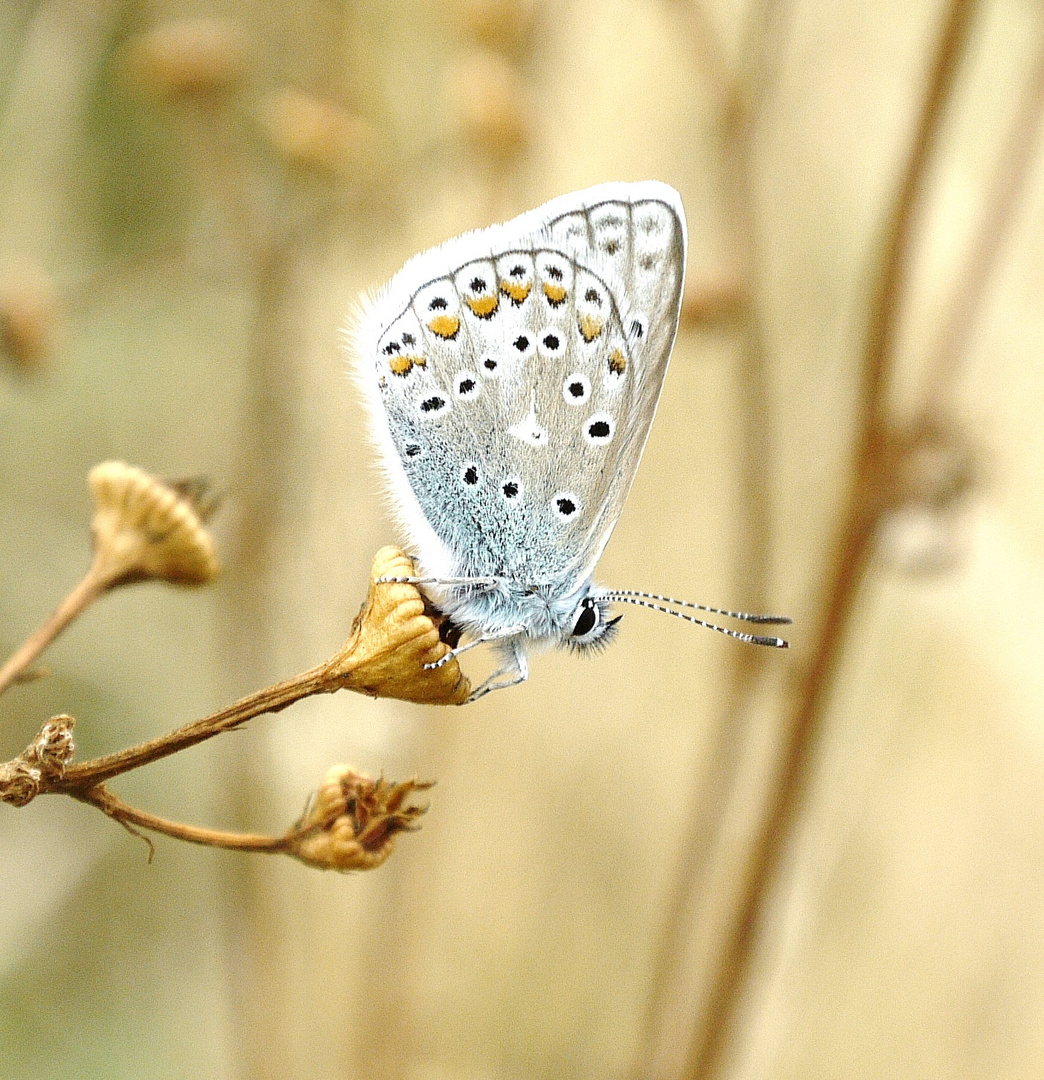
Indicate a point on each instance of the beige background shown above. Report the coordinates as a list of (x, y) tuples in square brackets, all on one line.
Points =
[(521, 933)]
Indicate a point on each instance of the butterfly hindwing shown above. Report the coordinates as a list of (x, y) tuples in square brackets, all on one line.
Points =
[(518, 371)]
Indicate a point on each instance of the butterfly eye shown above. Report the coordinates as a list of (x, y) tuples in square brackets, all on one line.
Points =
[(586, 620)]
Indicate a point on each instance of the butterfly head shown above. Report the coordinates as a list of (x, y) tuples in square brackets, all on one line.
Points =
[(589, 625)]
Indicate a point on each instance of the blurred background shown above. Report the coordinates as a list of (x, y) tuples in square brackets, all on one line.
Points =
[(681, 858)]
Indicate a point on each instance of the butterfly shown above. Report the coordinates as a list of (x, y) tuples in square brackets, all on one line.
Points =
[(511, 376)]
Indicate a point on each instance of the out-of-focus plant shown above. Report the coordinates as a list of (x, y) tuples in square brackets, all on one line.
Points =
[(909, 478), (30, 319)]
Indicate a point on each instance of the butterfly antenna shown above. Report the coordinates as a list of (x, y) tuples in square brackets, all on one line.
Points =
[(777, 620), (753, 639)]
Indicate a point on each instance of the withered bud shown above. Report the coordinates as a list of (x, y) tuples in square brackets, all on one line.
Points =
[(30, 318), (189, 59), (144, 528), (492, 102), (53, 747), (503, 25), (314, 133), (394, 635), (925, 476), (933, 465), (42, 762), (352, 821)]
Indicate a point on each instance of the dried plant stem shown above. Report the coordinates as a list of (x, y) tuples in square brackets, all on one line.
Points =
[(120, 811), (94, 584), (847, 566), (694, 921), (355, 819), (324, 679)]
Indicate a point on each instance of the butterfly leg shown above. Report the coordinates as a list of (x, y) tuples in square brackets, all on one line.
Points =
[(512, 675), (454, 653), (478, 582)]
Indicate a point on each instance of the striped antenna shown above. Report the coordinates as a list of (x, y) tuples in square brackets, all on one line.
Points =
[(753, 639), (777, 620)]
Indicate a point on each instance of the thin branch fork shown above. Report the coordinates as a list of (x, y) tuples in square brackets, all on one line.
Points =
[(393, 638)]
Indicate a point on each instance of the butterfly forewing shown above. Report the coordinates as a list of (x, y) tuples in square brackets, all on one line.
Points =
[(519, 375)]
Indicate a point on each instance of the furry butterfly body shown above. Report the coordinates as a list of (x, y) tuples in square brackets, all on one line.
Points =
[(512, 375)]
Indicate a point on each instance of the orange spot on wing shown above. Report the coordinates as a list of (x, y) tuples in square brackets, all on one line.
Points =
[(555, 293), (591, 326), (483, 306), (518, 292), (617, 362), (445, 326), (403, 365)]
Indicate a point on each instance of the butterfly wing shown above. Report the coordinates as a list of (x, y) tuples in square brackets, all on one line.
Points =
[(633, 237), (515, 374)]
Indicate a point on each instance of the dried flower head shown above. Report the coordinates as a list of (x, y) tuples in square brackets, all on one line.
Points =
[(352, 821), (200, 59), (145, 528), (394, 635), (492, 102), (29, 318), (503, 25), (42, 762), (314, 133)]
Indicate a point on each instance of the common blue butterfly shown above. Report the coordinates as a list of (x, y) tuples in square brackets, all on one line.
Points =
[(512, 376)]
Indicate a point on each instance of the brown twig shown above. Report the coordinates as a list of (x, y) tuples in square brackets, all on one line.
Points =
[(675, 1000), (324, 679), (100, 797), (84, 594), (350, 823), (849, 561), (394, 636), (354, 820)]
